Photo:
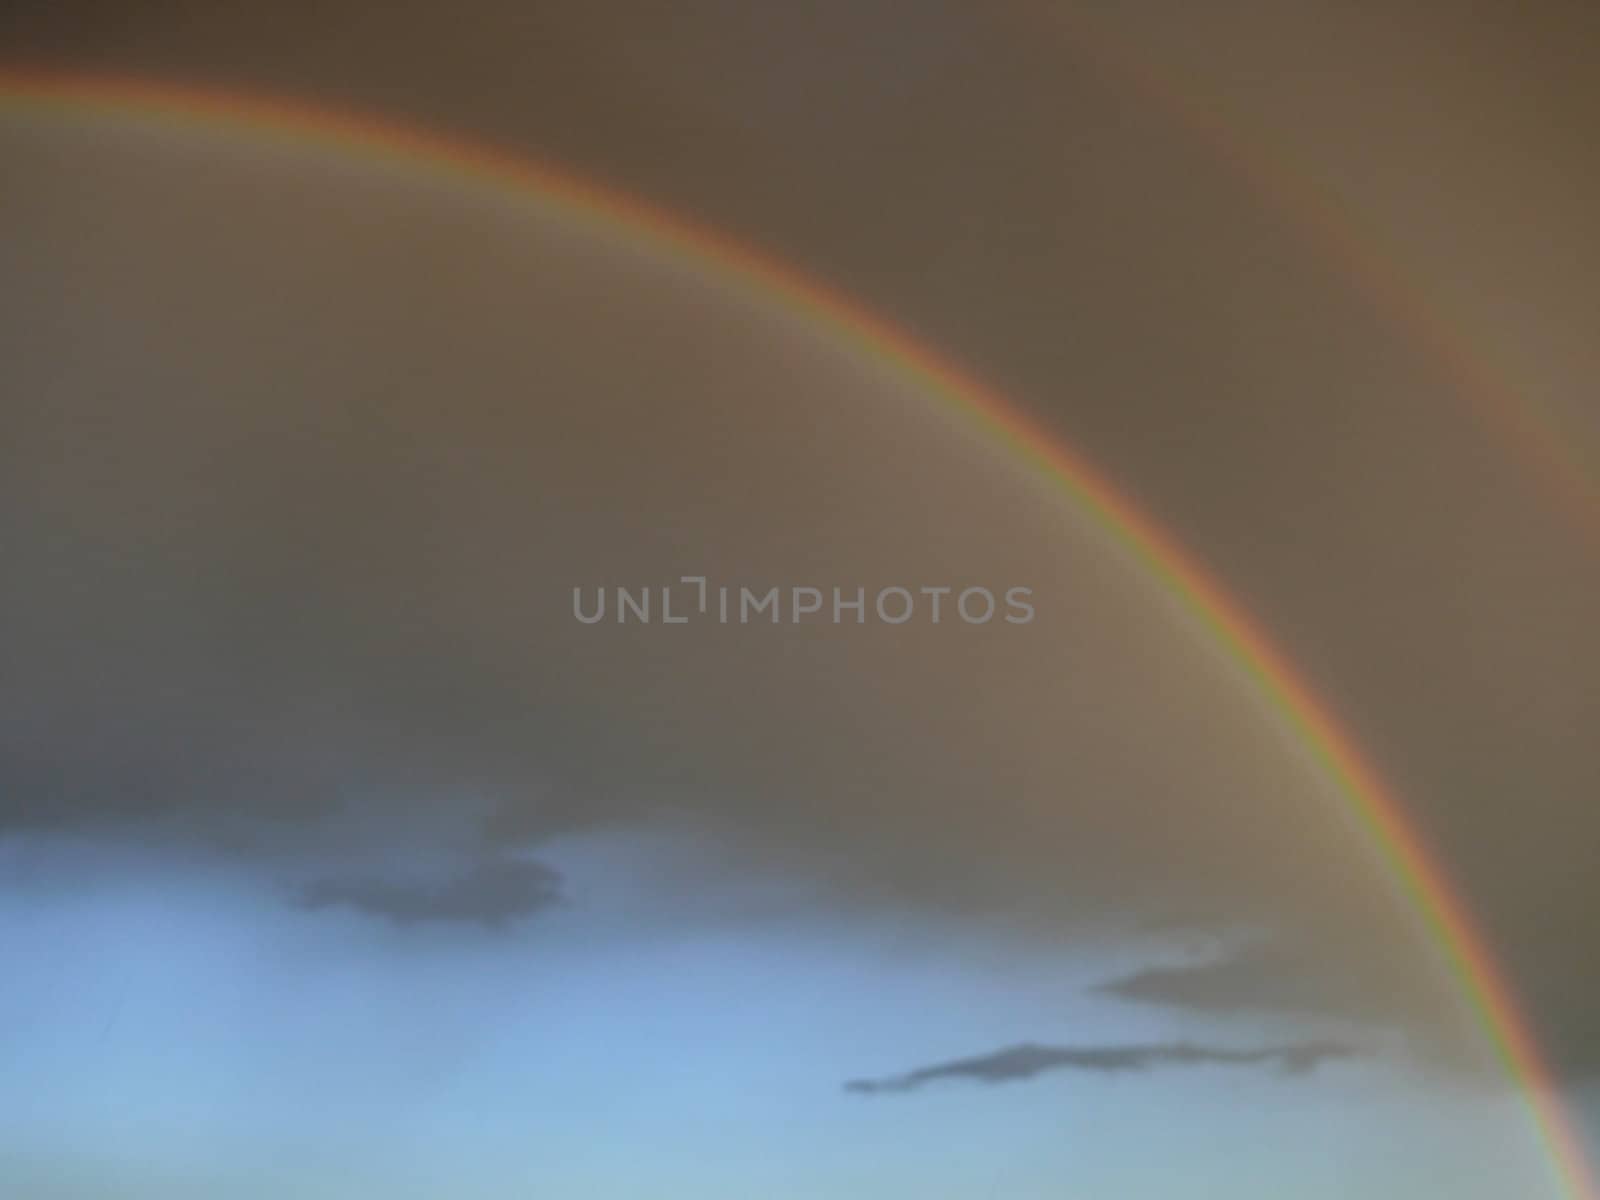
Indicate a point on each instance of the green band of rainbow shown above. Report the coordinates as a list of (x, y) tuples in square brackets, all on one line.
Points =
[(1417, 877)]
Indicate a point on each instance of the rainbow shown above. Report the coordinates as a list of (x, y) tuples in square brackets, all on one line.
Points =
[(1417, 876), (1356, 254)]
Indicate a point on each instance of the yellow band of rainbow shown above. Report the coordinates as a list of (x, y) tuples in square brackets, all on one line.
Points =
[(1419, 879)]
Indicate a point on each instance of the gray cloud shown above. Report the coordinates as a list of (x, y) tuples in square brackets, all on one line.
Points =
[(1260, 977), (490, 894), (266, 587), (1029, 1059)]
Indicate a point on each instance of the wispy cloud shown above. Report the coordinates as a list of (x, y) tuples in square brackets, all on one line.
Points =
[(1261, 977), (491, 894), (1029, 1059)]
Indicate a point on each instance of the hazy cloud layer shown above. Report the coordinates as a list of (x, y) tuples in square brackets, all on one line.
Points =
[(1028, 1060)]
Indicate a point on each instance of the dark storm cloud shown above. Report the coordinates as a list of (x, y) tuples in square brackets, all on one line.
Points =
[(1028, 1060), (491, 894)]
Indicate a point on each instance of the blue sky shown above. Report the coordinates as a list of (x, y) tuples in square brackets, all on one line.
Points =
[(178, 1028)]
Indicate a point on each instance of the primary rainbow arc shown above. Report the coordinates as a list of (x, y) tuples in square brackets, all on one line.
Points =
[(1422, 881)]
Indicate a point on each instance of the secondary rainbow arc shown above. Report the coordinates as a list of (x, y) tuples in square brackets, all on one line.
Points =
[(1354, 255), (1416, 875)]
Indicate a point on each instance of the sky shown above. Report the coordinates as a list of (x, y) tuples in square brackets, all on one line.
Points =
[(337, 855)]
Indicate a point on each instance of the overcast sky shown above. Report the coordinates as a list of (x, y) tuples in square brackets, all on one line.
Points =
[(336, 854)]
